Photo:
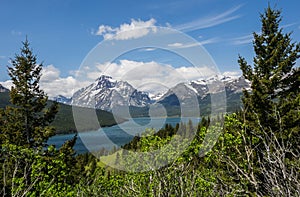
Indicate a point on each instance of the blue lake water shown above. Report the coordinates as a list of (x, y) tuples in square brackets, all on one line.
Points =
[(116, 135)]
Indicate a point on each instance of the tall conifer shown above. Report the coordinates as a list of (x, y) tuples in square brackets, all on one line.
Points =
[(274, 100), (27, 121)]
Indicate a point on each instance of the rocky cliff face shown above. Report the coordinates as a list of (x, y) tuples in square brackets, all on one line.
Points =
[(106, 93)]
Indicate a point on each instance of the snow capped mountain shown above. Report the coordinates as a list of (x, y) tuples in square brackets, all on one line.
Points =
[(3, 89), (212, 85), (156, 97), (181, 91), (106, 93), (237, 85), (62, 99), (184, 92)]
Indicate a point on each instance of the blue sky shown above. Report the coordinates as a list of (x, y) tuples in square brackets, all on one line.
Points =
[(63, 32)]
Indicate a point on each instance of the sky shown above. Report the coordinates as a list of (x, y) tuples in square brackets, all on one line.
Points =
[(77, 40)]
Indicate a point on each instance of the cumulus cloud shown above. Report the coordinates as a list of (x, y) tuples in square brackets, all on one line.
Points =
[(150, 76), (50, 73), (153, 77), (61, 86), (53, 84), (135, 29)]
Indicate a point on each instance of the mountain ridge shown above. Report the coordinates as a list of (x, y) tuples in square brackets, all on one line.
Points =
[(107, 94), (112, 95)]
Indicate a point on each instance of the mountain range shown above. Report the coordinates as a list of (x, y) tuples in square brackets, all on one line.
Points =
[(111, 95), (121, 98)]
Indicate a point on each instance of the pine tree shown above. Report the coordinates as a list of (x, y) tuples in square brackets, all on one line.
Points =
[(274, 78), (24, 131), (26, 122)]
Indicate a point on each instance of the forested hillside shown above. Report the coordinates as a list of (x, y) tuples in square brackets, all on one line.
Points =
[(64, 121)]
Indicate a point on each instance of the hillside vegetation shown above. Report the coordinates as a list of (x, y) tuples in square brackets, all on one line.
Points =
[(64, 120)]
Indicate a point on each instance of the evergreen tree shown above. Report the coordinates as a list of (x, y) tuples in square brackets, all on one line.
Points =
[(27, 121), (30, 167), (274, 78)]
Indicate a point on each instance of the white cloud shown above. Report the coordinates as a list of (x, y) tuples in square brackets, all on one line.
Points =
[(189, 45), (150, 76), (181, 45), (60, 86), (136, 29), (176, 44), (288, 25), (209, 41), (49, 73), (148, 49), (232, 73), (192, 73), (210, 21), (53, 84), (242, 40)]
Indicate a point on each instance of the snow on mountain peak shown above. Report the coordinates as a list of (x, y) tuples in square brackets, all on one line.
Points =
[(106, 93), (222, 78), (105, 82), (105, 77), (3, 89)]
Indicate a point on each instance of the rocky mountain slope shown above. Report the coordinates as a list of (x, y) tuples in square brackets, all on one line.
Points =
[(108, 94), (185, 93)]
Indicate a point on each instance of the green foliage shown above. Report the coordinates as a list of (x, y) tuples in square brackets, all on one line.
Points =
[(35, 173)]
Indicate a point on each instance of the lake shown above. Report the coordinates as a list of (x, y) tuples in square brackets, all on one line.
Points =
[(116, 135)]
